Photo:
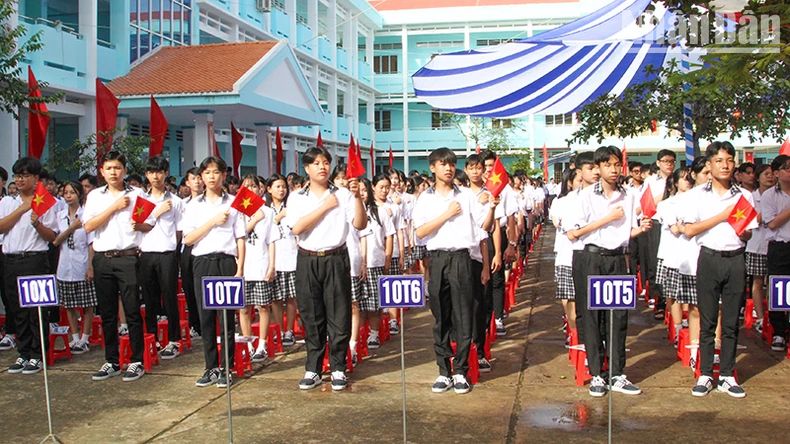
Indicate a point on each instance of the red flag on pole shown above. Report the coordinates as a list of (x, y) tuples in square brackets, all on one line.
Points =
[(545, 163), (158, 130), (372, 159), (42, 200), (625, 161), (478, 148), (38, 119), (142, 209), (278, 140), (106, 116), (353, 146), (785, 149), (247, 202), (498, 179), (392, 157), (236, 138), (648, 203), (742, 215), (212, 140), (354, 168), (320, 142)]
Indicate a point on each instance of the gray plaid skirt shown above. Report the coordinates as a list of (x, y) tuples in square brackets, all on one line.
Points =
[(77, 294), (563, 276), (286, 285), (756, 264), (259, 292), (394, 267), (419, 252), (370, 302), (687, 293), (669, 279), (357, 289)]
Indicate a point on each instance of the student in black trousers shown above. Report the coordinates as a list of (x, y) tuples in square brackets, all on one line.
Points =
[(195, 183)]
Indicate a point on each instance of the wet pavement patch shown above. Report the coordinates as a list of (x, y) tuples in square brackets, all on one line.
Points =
[(577, 417)]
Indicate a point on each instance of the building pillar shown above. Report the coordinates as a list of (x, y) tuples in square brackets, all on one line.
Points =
[(290, 9), (405, 76), (9, 140), (331, 24), (369, 42), (312, 22), (263, 150), (331, 101), (187, 153), (200, 142), (371, 121), (290, 153)]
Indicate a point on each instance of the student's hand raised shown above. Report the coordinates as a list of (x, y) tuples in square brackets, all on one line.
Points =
[(494, 200), (353, 186), (453, 209), (76, 224), (163, 208), (617, 213), (646, 224), (121, 203), (33, 218), (221, 218)]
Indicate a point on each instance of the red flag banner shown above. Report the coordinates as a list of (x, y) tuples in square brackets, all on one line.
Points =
[(478, 148), (212, 140), (235, 138), (38, 119), (142, 209), (355, 168), (392, 157), (247, 202), (648, 203), (742, 215), (320, 142), (498, 179), (625, 161), (545, 163), (42, 200), (353, 146), (278, 140), (158, 130), (106, 116), (372, 159), (785, 149)]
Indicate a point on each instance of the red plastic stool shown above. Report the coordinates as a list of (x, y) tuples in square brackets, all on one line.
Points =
[(474, 366), (241, 358), (508, 287), (492, 330), (2, 321), (150, 354), (487, 348), (57, 353), (684, 351), (271, 347), (161, 334), (186, 339), (768, 329), (362, 343), (582, 371), (511, 296), (180, 288), (97, 332), (182, 306), (327, 366), (573, 349), (298, 330), (384, 329), (748, 317)]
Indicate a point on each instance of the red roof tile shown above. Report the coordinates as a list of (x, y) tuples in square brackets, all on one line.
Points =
[(191, 69)]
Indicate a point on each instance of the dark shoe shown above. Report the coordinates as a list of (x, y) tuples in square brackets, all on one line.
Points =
[(17, 366), (225, 379), (442, 384), (622, 385), (484, 365), (460, 385), (703, 387), (288, 339), (170, 351), (209, 377), (134, 372), (728, 385), (107, 371), (33, 366), (597, 387), (339, 381), (374, 343), (310, 381)]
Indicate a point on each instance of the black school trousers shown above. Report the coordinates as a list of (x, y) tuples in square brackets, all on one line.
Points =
[(452, 306), (495, 288), (10, 323), (113, 276), (215, 264), (28, 333), (656, 290), (188, 285), (323, 297), (593, 325), (159, 282), (721, 276), (483, 308)]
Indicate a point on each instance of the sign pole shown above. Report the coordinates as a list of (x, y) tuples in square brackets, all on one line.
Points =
[(50, 436), (403, 372), (227, 374), (610, 346)]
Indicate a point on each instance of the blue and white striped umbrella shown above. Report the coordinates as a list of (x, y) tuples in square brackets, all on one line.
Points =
[(555, 72)]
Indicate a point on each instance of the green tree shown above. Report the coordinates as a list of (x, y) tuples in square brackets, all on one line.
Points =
[(69, 162), (13, 85)]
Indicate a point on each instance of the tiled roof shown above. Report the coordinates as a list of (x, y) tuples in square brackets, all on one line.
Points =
[(397, 5), (191, 69)]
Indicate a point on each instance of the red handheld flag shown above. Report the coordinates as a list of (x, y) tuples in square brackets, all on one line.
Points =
[(142, 209), (320, 142), (742, 215), (106, 116), (355, 168), (158, 130), (625, 161), (545, 163), (278, 139), (236, 137), (478, 148), (498, 179), (785, 149), (38, 118), (392, 157), (212, 140), (246, 201), (42, 200), (648, 203), (353, 146)]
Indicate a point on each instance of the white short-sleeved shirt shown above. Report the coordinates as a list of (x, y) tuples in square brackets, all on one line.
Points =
[(707, 204), (285, 247), (565, 215), (23, 237), (377, 236), (221, 238), (507, 207), (398, 222), (657, 184), (593, 204), (256, 252), (407, 205), (354, 250), (688, 252), (332, 230), (73, 262), (667, 215), (758, 244), (117, 232), (772, 203), (476, 251), (162, 237), (458, 233)]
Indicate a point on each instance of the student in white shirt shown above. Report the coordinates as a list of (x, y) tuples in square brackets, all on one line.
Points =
[(320, 215), (775, 206), (25, 247), (108, 214), (721, 268), (217, 234), (446, 217), (158, 256), (563, 247), (757, 247), (196, 188), (75, 271), (284, 259)]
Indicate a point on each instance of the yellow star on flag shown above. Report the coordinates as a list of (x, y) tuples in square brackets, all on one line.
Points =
[(38, 199), (246, 202), (740, 214), (139, 211), (496, 178)]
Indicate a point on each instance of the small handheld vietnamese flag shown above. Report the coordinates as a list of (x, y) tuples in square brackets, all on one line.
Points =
[(498, 179), (247, 202), (355, 168), (785, 148), (42, 200), (648, 203), (142, 209), (742, 215)]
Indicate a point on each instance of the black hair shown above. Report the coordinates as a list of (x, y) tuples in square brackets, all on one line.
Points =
[(221, 165), (585, 158), (444, 155), (114, 155), (373, 207), (156, 164), (671, 186), (78, 188), (568, 176), (414, 183), (698, 164), (391, 171), (311, 154), (132, 177), (91, 179), (632, 165), (413, 173), (195, 171), (44, 175), (666, 152), (252, 177), (262, 180), (653, 168), (487, 155), (3, 174), (682, 174), (759, 170), (474, 159), (604, 153), (340, 168), (232, 180), (717, 146), (299, 180), (269, 183), (779, 162), (745, 166), (461, 176), (29, 165)]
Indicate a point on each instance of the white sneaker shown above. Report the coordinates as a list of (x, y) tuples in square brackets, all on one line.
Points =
[(339, 381), (758, 326), (460, 385), (703, 387), (778, 344), (728, 385), (7, 343), (622, 385)]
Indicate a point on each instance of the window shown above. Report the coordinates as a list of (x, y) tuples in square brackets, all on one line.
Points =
[(386, 46), (501, 123), (440, 120), (385, 64), (492, 42), (441, 44), (167, 22), (383, 120), (559, 120)]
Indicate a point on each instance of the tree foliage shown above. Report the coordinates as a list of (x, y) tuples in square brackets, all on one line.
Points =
[(69, 162)]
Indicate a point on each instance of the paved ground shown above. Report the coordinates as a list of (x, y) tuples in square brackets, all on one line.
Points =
[(530, 396)]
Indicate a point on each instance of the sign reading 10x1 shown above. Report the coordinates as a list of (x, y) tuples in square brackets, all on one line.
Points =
[(779, 293), (37, 291), (401, 292), (611, 292)]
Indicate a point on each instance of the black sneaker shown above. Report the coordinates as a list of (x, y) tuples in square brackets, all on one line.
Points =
[(622, 385), (339, 381), (703, 387), (442, 384), (107, 371), (374, 343), (728, 385), (80, 348), (33, 366), (778, 344), (394, 329), (460, 385), (310, 381), (500, 328), (18, 366), (209, 377), (288, 339), (133, 372), (7, 343), (225, 379), (597, 387), (170, 351), (259, 355), (483, 365)]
